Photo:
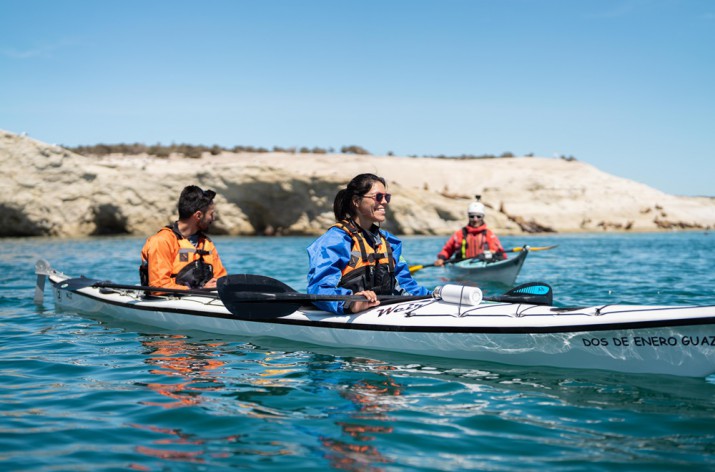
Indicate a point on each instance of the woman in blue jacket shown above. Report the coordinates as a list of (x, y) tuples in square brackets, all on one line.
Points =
[(355, 256)]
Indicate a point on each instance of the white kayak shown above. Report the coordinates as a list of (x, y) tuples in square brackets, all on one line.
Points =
[(675, 340)]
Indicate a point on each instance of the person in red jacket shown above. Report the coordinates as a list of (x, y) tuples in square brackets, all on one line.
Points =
[(181, 255), (474, 240)]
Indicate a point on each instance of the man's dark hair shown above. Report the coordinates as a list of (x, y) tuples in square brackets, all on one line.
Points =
[(193, 199)]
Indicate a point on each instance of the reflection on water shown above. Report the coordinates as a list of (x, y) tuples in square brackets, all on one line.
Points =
[(212, 375), (349, 410), (373, 398), (186, 372), (191, 364)]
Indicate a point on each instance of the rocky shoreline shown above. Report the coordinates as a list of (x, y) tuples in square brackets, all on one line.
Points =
[(50, 191)]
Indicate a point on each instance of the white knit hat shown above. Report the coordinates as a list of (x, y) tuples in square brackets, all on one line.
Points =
[(476, 207)]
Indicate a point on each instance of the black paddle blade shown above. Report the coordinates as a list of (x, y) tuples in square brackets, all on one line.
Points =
[(253, 283), (535, 293), (77, 283), (232, 289)]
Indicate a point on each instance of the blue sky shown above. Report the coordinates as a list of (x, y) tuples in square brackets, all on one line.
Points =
[(627, 86)]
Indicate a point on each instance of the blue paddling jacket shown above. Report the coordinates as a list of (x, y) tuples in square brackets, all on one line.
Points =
[(331, 253)]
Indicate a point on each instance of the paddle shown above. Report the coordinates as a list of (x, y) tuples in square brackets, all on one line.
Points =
[(257, 297), (415, 268), (535, 248), (145, 288)]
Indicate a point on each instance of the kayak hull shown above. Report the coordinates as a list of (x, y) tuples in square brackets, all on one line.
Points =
[(637, 339), (475, 271)]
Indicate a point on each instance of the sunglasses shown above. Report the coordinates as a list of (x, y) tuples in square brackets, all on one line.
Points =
[(476, 216), (379, 196)]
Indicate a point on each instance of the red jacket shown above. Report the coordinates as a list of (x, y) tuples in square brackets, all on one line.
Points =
[(477, 238)]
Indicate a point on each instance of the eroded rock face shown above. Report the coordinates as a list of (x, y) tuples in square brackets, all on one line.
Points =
[(49, 191)]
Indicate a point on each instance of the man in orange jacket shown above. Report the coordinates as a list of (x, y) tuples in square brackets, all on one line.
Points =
[(180, 255), (474, 240)]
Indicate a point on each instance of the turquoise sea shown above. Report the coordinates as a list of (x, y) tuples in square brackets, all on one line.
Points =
[(81, 394)]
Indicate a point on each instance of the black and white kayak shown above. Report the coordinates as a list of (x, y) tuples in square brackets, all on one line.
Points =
[(520, 327)]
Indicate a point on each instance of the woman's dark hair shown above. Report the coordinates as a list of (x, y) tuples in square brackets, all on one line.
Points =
[(193, 199), (359, 186)]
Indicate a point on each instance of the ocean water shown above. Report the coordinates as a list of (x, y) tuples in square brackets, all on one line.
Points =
[(83, 394)]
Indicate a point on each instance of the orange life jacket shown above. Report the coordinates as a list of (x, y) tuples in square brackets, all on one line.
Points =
[(370, 268), (186, 265)]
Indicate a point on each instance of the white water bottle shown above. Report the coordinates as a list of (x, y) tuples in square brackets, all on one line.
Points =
[(459, 294)]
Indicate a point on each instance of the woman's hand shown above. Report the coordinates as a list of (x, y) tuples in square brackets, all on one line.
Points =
[(371, 301)]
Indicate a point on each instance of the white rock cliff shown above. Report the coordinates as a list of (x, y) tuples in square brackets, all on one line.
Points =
[(50, 191)]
